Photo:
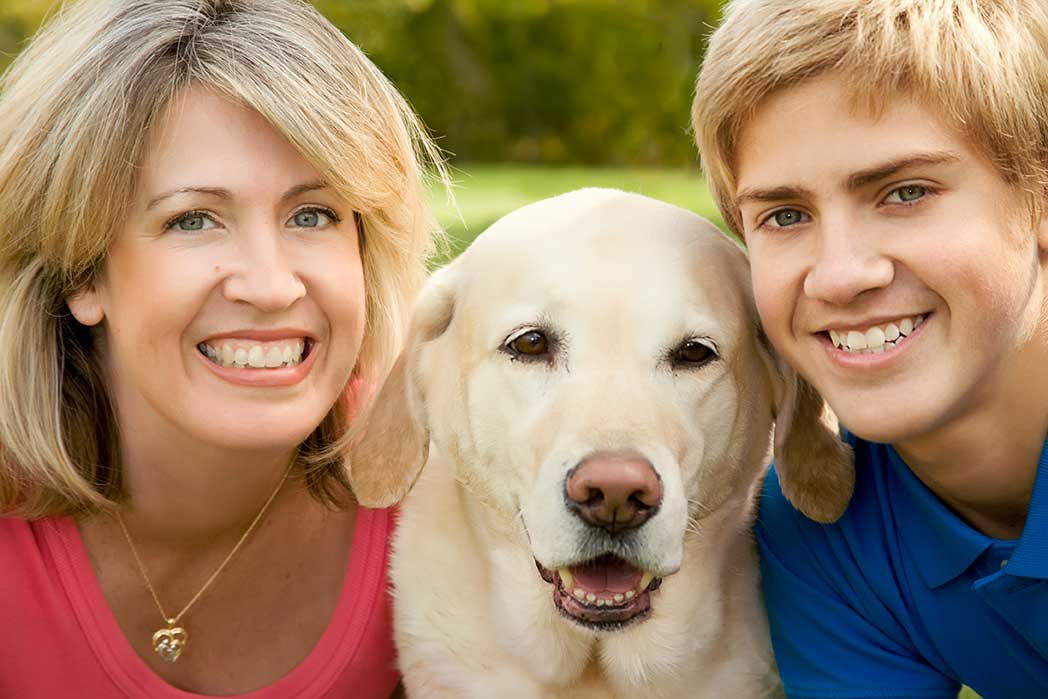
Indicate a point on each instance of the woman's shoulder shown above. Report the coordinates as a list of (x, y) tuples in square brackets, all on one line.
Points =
[(32, 561), (21, 541)]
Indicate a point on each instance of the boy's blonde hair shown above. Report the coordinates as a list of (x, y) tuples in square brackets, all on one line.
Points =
[(76, 110), (981, 64)]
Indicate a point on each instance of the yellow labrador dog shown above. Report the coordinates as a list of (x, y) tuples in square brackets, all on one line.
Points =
[(600, 405)]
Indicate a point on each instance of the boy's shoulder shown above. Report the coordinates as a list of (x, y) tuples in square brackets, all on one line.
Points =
[(778, 517), (862, 546)]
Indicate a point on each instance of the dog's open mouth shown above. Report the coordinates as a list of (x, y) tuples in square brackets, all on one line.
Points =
[(605, 594)]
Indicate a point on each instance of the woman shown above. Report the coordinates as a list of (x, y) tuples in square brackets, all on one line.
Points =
[(214, 225)]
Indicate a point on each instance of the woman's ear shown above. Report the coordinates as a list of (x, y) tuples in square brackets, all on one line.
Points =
[(86, 306)]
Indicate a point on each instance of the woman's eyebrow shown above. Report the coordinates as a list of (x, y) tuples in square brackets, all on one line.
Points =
[(209, 191), (222, 193)]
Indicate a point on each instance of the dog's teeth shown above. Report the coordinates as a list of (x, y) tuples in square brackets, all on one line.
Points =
[(630, 594), (565, 577), (590, 597), (645, 580), (601, 603), (579, 594), (619, 598)]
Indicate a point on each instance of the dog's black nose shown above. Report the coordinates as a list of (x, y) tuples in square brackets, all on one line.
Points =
[(614, 490)]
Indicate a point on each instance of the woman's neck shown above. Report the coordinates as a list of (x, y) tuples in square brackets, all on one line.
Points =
[(197, 496)]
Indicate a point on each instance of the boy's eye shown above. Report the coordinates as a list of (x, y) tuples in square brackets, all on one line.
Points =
[(191, 222), (312, 218), (783, 218), (907, 194)]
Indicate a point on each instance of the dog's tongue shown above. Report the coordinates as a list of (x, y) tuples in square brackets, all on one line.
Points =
[(607, 574)]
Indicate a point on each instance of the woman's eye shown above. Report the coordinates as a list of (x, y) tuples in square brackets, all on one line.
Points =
[(905, 195), (192, 221), (784, 218), (312, 218)]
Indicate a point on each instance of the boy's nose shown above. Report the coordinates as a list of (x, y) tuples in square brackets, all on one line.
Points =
[(263, 276), (846, 265)]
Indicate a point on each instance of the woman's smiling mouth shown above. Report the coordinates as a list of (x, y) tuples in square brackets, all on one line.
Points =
[(245, 354), (259, 359)]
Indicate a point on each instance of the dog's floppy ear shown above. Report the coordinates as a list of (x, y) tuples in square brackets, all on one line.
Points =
[(388, 453), (815, 466)]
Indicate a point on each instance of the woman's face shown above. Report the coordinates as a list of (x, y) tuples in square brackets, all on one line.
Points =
[(233, 295)]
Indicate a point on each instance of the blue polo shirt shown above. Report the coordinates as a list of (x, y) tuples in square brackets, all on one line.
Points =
[(900, 598)]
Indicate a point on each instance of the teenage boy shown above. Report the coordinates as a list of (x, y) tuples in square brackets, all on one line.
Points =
[(886, 164)]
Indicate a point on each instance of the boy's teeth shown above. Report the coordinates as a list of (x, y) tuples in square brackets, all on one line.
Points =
[(876, 339), (256, 355)]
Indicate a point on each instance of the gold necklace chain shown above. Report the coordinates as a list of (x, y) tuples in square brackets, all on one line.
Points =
[(169, 642)]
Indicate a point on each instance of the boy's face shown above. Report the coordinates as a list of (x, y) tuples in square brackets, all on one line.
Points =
[(892, 264)]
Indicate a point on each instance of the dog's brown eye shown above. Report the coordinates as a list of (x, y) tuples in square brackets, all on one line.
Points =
[(531, 343), (694, 352)]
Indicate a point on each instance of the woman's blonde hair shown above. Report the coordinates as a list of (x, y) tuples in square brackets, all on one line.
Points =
[(981, 64), (76, 109)]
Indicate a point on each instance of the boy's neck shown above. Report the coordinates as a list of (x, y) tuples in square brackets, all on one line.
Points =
[(983, 464)]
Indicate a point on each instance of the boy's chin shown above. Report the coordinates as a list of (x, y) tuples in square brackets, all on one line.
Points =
[(888, 424)]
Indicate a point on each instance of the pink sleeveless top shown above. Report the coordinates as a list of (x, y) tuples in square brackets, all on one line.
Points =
[(58, 637)]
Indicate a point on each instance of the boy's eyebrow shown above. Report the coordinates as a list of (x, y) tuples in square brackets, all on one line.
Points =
[(855, 181), (862, 178), (221, 193), (772, 194)]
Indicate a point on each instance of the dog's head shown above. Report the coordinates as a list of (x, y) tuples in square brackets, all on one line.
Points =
[(593, 367)]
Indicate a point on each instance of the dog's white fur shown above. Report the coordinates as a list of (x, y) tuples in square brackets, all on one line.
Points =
[(617, 281)]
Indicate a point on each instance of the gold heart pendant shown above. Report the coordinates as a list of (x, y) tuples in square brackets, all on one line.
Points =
[(169, 643)]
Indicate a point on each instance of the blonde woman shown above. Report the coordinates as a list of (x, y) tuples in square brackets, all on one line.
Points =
[(213, 225)]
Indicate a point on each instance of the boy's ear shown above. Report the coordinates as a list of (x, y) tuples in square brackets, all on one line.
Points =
[(815, 466), (86, 306), (392, 443)]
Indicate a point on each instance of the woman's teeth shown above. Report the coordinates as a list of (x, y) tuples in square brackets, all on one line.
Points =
[(255, 355), (877, 339)]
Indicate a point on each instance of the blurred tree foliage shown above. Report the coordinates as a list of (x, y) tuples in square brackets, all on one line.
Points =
[(550, 81)]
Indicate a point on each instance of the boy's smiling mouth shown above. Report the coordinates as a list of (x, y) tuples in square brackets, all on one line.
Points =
[(875, 339)]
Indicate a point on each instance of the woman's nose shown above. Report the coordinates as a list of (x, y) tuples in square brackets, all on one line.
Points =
[(264, 274)]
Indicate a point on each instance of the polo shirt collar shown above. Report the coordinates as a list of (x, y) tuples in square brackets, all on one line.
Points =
[(1030, 559), (945, 546)]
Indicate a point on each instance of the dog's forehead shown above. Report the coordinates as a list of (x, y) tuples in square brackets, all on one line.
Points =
[(596, 226)]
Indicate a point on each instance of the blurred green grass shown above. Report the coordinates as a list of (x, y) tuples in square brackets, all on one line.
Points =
[(485, 192)]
